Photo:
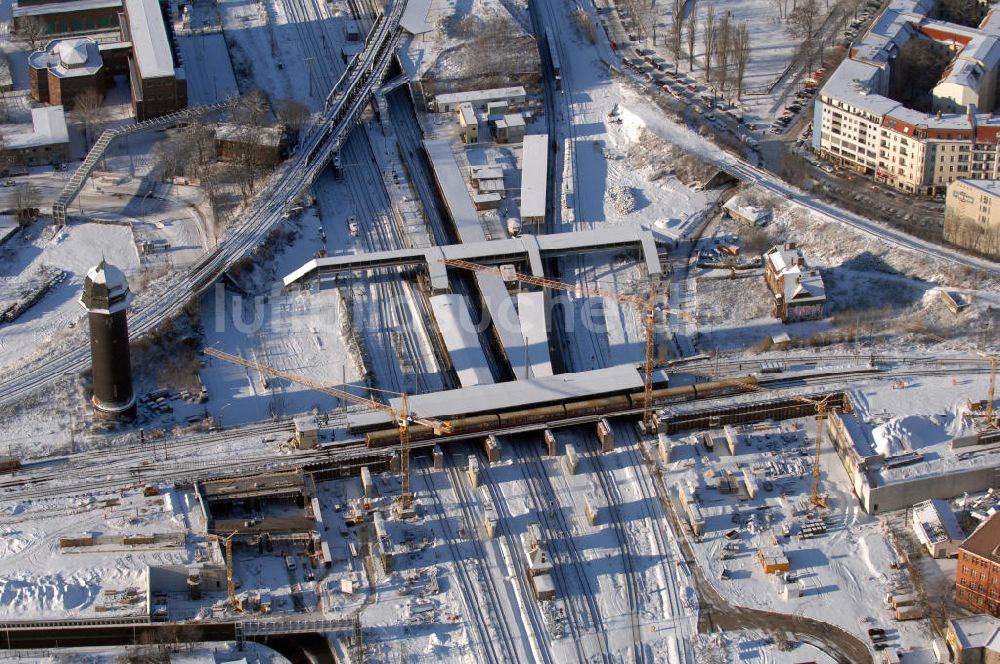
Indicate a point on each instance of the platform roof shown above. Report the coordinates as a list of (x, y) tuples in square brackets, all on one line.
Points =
[(531, 310), (149, 38), (534, 175), (530, 392), (454, 191), (461, 340)]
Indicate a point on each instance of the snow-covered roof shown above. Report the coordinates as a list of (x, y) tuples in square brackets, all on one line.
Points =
[(454, 191), (534, 175), (234, 133), (935, 523), (979, 631), (149, 38), (862, 80), (414, 18), (500, 309), (486, 172), (991, 187), (66, 58), (451, 312), (480, 96), (985, 541), (532, 391), (532, 311), (48, 128), (755, 215), (799, 282), (105, 289)]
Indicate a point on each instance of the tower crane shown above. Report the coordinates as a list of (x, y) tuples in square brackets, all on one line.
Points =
[(646, 306), (991, 420), (402, 417), (227, 542), (821, 405)]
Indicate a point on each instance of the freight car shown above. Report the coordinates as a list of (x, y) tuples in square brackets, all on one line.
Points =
[(607, 405), (9, 464)]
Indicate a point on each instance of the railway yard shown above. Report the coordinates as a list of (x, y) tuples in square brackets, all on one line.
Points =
[(489, 365)]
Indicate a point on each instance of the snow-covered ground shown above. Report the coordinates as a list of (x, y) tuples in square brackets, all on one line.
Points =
[(74, 250), (40, 579), (844, 574)]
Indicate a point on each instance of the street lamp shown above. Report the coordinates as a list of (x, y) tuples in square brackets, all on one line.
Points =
[(222, 410)]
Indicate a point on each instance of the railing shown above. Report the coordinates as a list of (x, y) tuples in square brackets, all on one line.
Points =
[(320, 625), (75, 183), (73, 622)]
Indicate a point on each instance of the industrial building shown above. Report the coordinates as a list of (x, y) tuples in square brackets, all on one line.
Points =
[(268, 144), (798, 291), (65, 17), (977, 578), (156, 78), (857, 125), (480, 99), (46, 143), (974, 640), (972, 215), (747, 214), (936, 528), (106, 297)]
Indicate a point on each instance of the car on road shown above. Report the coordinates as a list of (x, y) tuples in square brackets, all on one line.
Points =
[(829, 168)]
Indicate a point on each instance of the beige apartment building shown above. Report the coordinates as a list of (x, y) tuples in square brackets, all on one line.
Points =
[(857, 126), (972, 215)]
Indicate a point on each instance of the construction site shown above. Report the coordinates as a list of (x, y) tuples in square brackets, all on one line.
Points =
[(509, 352)]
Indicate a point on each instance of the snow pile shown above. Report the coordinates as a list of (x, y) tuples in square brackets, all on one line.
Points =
[(621, 198), (904, 434)]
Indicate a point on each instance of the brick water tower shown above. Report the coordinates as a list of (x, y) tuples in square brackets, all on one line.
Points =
[(106, 297)]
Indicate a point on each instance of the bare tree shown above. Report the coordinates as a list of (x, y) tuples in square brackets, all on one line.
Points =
[(692, 32), (294, 114), (709, 39), (24, 202), (250, 115), (741, 56), (802, 23), (30, 32), (676, 29), (722, 52), (88, 106)]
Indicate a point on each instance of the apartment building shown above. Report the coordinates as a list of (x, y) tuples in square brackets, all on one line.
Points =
[(857, 126), (972, 215), (977, 578)]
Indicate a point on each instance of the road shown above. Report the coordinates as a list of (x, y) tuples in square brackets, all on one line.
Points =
[(282, 190)]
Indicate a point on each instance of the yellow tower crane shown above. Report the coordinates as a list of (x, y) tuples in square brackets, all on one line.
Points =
[(401, 417), (821, 409), (227, 542), (645, 305), (991, 421)]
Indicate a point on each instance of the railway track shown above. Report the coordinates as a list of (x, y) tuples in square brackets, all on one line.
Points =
[(567, 562), (614, 501), (627, 440), (487, 580), (481, 616), (523, 586)]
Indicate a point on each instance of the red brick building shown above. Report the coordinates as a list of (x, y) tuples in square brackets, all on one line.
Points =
[(156, 78), (977, 579), (65, 17)]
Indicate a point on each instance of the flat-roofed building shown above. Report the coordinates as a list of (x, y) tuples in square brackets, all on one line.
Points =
[(974, 640), (468, 122), (156, 78), (46, 143), (445, 103), (235, 141), (972, 215)]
